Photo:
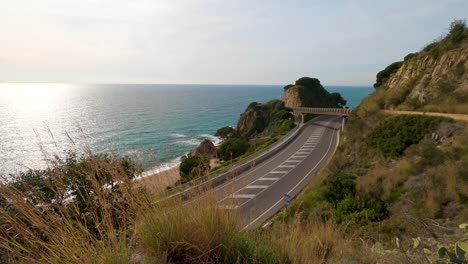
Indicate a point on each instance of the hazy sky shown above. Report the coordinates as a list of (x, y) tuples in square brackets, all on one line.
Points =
[(213, 41)]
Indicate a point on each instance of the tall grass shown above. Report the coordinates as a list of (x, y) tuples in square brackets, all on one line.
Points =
[(69, 213)]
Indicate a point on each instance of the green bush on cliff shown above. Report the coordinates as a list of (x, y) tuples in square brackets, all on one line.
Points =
[(192, 167), (458, 33), (312, 94), (383, 75), (360, 210), (265, 120), (225, 132), (233, 148), (338, 187), (395, 134)]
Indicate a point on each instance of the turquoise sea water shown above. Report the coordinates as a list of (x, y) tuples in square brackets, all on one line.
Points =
[(38, 121)]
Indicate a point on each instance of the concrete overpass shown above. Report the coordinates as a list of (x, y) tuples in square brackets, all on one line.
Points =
[(322, 111), (343, 112)]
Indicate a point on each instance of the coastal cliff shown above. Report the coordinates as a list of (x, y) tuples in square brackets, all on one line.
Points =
[(262, 119), (308, 92), (434, 79)]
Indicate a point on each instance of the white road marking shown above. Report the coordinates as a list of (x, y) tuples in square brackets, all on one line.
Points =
[(228, 207), (294, 161), (305, 177), (299, 156), (278, 172), (256, 186), (268, 179), (286, 166), (243, 196)]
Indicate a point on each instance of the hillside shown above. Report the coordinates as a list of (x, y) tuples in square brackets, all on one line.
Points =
[(433, 79), (399, 183)]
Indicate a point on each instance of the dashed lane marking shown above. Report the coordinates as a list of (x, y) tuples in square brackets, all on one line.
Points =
[(228, 207), (256, 186), (268, 179), (286, 166), (278, 172), (291, 160), (243, 196)]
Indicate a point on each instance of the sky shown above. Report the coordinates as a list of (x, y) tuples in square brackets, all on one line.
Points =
[(213, 41)]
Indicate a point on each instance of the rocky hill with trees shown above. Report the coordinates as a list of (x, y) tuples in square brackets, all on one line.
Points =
[(308, 92)]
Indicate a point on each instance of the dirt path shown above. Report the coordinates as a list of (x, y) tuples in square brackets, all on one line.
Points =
[(461, 117)]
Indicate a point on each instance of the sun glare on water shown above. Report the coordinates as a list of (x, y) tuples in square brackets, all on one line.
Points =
[(32, 98)]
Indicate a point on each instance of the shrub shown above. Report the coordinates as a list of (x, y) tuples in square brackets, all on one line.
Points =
[(73, 210), (457, 34), (410, 56), (395, 134), (192, 167), (361, 210), (383, 75), (233, 148), (242, 248), (225, 132), (339, 187)]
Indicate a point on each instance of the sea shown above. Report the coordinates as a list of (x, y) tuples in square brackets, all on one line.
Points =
[(158, 123)]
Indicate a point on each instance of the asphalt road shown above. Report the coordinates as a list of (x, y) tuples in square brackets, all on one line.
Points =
[(257, 194)]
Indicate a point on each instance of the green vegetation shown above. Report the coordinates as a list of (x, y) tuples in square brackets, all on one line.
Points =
[(311, 94), (390, 180), (418, 88), (393, 136), (69, 211), (225, 132), (193, 167), (233, 148), (383, 75), (265, 120), (455, 38)]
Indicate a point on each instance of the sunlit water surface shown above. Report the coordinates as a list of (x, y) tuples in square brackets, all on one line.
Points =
[(38, 121)]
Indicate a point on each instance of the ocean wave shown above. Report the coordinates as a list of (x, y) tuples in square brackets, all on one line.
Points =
[(216, 140), (192, 142), (161, 168), (177, 135)]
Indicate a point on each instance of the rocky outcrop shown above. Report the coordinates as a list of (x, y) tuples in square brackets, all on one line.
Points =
[(205, 149), (426, 78), (267, 118), (308, 92)]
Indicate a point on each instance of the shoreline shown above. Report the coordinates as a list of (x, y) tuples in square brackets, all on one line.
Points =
[(165, 175)]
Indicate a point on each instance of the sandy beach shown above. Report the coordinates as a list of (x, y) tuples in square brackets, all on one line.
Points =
[(158, 182)]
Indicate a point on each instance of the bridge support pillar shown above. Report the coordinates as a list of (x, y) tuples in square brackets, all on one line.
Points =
[(302, 118), (343, 121)]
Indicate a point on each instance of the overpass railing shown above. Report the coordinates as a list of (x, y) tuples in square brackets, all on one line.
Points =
[(324, 111)]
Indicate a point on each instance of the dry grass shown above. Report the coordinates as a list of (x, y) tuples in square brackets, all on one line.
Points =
[(385, 176), (159, 182), (194, 233), (43, 231), (312, 242)]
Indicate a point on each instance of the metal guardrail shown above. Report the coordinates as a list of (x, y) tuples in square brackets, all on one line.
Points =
[(323, 111), (231, 171)]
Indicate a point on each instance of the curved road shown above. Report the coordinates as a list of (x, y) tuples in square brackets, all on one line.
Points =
[(257, 194)]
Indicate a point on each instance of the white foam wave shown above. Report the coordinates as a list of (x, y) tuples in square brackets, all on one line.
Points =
[(161, 168), (193, 142), (216, 140), (177, 135)]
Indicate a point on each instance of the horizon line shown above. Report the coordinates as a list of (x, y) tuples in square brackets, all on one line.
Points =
[(221, 84)]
